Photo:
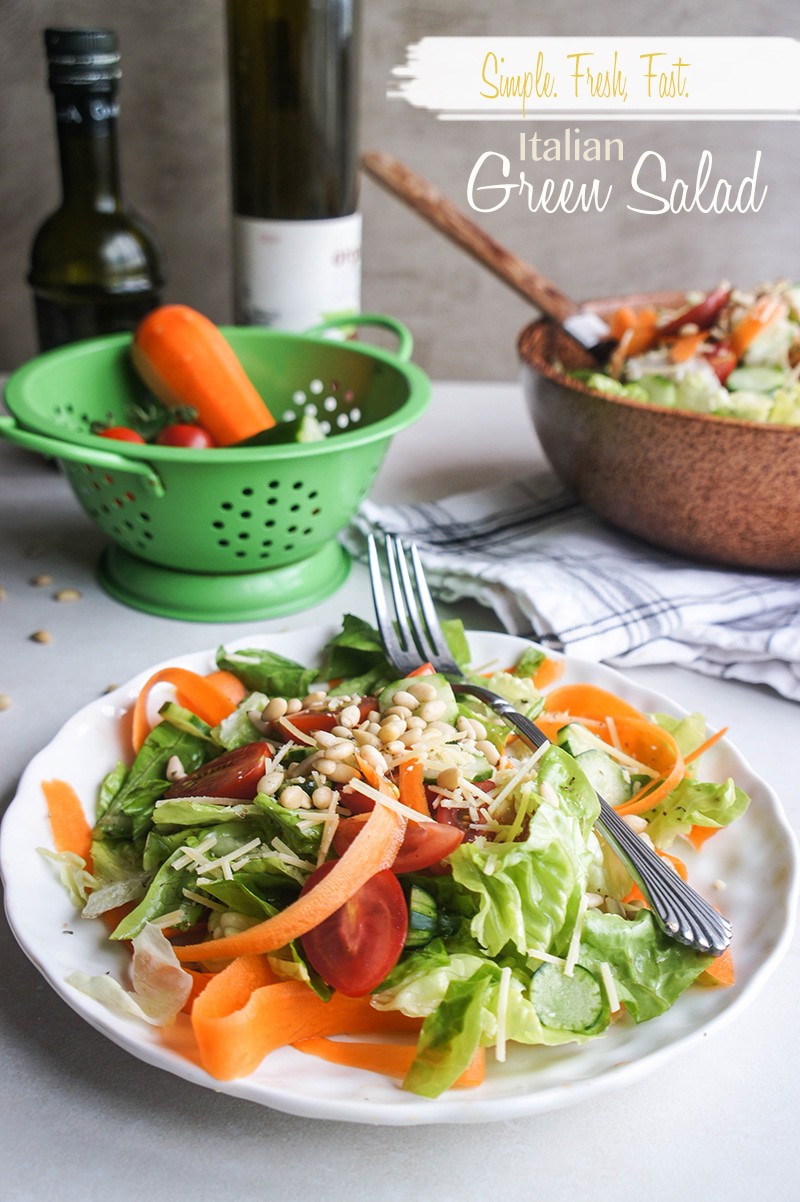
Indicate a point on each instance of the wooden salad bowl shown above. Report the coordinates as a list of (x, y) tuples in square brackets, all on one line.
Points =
[(719, 490)]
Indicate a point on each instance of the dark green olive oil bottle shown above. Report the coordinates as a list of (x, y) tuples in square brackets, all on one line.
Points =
[(293, 67), (95, 266)]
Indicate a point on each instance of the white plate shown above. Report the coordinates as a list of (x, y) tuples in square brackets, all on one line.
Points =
[(756, 858)]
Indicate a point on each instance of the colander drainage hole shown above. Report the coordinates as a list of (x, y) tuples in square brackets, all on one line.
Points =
[(313, 494), (288, 546), (245, 514), (223, 542), (293, 508), (270, 522), (247, 492), (244, 534), (218, 525), (272, 500), (226, 505), (240, 554), (267, 542), (274, 484)]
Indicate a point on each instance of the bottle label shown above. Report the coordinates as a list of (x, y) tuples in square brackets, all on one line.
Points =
[(293, 274)]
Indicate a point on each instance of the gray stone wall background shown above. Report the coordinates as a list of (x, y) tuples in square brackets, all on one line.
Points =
[(175, 168)]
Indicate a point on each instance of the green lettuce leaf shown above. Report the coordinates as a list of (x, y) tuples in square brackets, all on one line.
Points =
[(688, 732), (450, 1036), (574, 792), (695, 803), (520, 691), (650, 971), (529, 662), (528, 893), (186, 811), (110, 786), (267, 672), (237, 730), (128, 814)]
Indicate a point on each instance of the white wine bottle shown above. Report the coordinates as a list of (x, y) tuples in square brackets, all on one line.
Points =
[(95, 266), (293, 67)]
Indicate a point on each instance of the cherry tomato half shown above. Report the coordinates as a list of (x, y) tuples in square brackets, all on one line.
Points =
[(361, 942), (449, 816), (307, 721), (424, 843), (121, 434), (722, 359), (703, 314), (234, 774), (182, 434)]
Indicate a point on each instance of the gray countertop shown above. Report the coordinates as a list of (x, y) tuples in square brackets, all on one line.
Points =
[(83, 1120)]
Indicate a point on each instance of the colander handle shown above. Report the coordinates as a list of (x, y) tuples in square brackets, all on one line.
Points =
[(59, 449), (404, 337)]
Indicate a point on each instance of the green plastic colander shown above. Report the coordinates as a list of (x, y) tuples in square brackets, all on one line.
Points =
[(230, 533)]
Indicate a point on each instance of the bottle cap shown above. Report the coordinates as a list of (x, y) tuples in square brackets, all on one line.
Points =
[(82, 56)]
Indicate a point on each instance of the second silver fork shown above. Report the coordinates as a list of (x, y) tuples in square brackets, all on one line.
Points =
[(413, 634)]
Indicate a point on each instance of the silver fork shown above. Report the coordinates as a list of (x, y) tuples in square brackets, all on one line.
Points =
[(413, 635)]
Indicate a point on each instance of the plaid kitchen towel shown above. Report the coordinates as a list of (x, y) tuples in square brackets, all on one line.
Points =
[(545, 564)]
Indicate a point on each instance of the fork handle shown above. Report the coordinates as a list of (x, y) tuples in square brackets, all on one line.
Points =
[(680, 911)]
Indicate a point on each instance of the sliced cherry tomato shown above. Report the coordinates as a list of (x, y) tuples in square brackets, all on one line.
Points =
[(234, 774), (703, 314), (182, 434), (121, 434), (307, 721), (361, 942), (722, 359), (424, 843)]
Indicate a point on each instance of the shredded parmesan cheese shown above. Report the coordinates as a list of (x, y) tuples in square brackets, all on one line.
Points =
[(616, 754), (575, 941), (517, 778), (610, 987), (391, 803), (536, 953), (296, 734), (612, 730), (502, 1012)]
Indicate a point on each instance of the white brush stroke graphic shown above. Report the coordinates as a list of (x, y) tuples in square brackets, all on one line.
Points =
[(641, 78)]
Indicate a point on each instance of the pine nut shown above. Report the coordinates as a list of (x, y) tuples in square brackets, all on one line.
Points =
[(175, 770), (325, 766), (271, 781), (415, 722), (342, 773), (448, 779), (409, 737), (374, 758), (422, 690), (391, 730), (326, 738), (374, 727), (295, 798), (67, 594), (312, 698), (488, 750), (635, 822), (447, 731), (395, 747), (41, 636), (342, 732), (294, 705), (276, 708), (350, 716), (341, 751), (365, 739), (322, 797), (402, 697), (259, 722), (5, 701), (399, 711), (374, 715), (429, 711), (42, 580)]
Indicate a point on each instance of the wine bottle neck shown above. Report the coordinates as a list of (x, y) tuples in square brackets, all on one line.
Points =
[(86, 123)]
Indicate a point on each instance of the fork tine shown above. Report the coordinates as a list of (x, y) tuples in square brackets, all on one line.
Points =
[(424, 646), (382, 615), (407, 640), (437, 638)]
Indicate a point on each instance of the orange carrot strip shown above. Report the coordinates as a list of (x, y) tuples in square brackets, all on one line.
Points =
[(720, 971), (698, 835), (548, 672), (766, 310), (199, 982), (243, 1014), (71, 830), (698, 751), (688, 345), (373, 850), (228, 685), (411, 781), (194, 692), (426, 669), (390, 1059), (656, 748), (588, 701)]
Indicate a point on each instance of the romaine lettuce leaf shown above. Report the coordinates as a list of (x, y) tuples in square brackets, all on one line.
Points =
[(650, 971), (267, 672), (688, 732), (450, 1036), (236, 730), (527, 892), (695, 803)]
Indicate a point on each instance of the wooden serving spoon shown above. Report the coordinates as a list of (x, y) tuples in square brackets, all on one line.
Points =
[(585, 327)]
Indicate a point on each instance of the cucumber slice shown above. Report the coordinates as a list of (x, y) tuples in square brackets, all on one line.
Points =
[(423, 917), (659, 389), (575, 1003), (575, 740), (606, 776), (185, 720), (443, 693), (759, 377)]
